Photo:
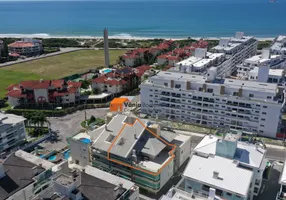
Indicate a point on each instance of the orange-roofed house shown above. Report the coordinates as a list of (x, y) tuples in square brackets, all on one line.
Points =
[(117, 104), (26, 47)]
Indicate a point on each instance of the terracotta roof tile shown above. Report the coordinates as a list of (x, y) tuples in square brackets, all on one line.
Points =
[(15, 94)]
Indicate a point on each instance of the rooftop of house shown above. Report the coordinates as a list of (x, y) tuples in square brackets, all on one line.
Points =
[(19, 44), (246, 153), (19, 173), (230, 177), (276, 72), (281, 38), (94, 184)]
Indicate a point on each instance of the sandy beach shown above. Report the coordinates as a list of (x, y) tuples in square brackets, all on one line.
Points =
[(119, 37)]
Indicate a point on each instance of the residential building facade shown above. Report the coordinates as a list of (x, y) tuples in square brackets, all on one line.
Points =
[(1, 47), (44, 92), (26, 47), (12, 130), (134, 149), (237, 104), (279, 46), (281, 195), (231, 168)]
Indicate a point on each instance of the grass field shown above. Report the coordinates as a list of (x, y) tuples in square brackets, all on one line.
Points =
[(55, 67)]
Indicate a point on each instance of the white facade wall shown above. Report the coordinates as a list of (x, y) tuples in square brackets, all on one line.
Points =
[(42, 93), (161, 61), (172, 62), (129, 62), (13, 101), (166, 173), (80, 152), (213, 109), (182, 153)]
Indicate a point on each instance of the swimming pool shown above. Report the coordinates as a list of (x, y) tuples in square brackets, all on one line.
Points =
[(107, 71), (85, 140), (66, 154), (52, 158)]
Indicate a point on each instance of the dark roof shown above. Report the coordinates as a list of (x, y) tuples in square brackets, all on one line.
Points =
[(19, 174), (93, 188)]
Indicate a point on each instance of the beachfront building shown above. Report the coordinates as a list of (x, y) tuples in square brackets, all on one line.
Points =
[(22, 175), (222, 58), (12, 130), (238, 104), (1, 47), (89, 183), (262, 68), (232, 169), (44, 92), (26, 47), (132, 148), (279, 46)]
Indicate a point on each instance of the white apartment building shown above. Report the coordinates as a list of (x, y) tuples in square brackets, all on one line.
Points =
[(281, 195), (232, 169), (26, 47), (12, 130), (279, 46), (263, 68), (223, 58), (237, 104), (132, 148)]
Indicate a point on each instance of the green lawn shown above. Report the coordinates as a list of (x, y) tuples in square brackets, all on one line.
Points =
[(10, 77), (55, 67)]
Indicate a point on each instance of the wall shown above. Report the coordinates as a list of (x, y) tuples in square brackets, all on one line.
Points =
[(24, 194), (129, 62), (13, 101), (161, 61), (41, 93), (80, 152), (166, 173)]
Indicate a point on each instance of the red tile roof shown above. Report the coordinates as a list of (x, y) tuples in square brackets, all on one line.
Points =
[(163, 46), (21, 44), (173, 58), (74, 84), (40, 84), (15, 94), (12, 86), (57, 83), (142, 50), (130, 56), (163, 56), (59, 94)]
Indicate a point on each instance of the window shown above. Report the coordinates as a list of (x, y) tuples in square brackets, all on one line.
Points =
[(76, 162), (263, 113), (150, 95), (166, 84), (261, 125), (178, 86), (205, 188), (269, 97), (235, 94), (262, 119), (151, 90), (264, 106), (200, 89), (251, 95), (210, 90)]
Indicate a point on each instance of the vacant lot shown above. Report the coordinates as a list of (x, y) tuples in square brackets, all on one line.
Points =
[(55, 67), (66, 64)]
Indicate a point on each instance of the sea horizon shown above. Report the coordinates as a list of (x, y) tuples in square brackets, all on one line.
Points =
[(143, 19)]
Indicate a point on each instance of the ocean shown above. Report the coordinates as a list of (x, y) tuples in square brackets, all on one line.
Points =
[(139, 18)]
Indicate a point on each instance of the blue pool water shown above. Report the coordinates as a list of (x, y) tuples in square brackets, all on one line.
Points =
[(107, 70), (52, 158), (42, 155), (67, 154), (85, 140)]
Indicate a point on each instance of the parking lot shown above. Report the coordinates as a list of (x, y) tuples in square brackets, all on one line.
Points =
[(69, 125)]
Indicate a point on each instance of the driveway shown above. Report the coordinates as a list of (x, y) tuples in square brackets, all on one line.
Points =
[(69, 125)]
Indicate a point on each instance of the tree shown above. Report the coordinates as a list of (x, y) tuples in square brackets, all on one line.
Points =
[(92, 119), (85, 84), (96, 91), (5, 50)]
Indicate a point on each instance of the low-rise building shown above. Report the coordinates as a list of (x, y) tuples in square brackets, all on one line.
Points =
[(88, 183), (279, 46), (237, 104), (281, 195), (44, 92), (132, 148), (231, 168), (26, 47), (22, 175), (12, 131), (1, 47)]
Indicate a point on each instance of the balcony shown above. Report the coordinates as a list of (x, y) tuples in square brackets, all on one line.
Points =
[(281, 196)]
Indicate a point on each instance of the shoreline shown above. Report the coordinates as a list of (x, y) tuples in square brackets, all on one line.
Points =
[(119, 37)]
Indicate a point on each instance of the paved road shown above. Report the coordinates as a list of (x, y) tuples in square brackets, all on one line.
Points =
[(70, 124)]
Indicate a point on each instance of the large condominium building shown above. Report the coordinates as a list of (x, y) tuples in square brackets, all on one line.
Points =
[(232, 169), (243, 105), (44, 92), (12, 131), (279, 46), (132, 148), (262, 68), (223, 58), (26, 47)]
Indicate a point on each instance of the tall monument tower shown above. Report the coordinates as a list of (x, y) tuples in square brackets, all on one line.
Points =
[(106, 48)]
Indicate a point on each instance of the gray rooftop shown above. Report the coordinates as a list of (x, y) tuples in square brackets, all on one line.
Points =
[(19, 174)]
